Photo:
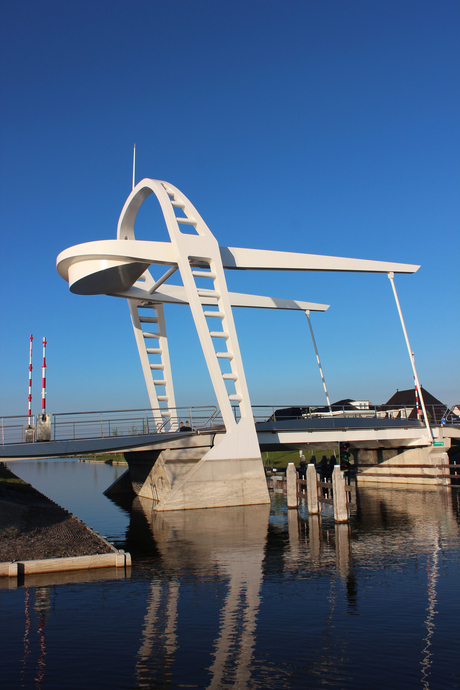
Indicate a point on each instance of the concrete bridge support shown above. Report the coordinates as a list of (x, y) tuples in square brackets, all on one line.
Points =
[(420, 465), (190, 474), (312, 490)]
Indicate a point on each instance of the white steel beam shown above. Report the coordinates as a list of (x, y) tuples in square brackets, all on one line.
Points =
[(113, 266), (268, 260), (176, 294)]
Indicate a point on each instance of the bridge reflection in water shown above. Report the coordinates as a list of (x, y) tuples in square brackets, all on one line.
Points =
[(245, 548), (253, 597), (231, 541)]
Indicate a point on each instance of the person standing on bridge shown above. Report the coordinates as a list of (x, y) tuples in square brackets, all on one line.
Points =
[(332, 464), (325, 476)]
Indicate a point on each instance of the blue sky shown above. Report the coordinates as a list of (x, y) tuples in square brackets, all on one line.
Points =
[(326, 126)]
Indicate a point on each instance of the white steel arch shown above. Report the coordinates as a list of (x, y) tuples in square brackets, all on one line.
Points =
[(198, 260)]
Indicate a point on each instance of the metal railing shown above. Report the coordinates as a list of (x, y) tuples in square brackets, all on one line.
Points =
[(437, 414), (108, 423), (13, 428)]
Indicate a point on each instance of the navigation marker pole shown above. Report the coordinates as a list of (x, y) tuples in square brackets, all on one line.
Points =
[(44, 381), (30, 381), (391, 276), (307, 313), (417, 406)]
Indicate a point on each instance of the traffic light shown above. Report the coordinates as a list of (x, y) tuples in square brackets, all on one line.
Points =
[(345, 456)]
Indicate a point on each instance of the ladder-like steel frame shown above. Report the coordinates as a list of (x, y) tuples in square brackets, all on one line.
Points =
[(199, 261)]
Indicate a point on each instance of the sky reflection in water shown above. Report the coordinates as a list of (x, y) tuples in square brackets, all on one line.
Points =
[(253, 597)]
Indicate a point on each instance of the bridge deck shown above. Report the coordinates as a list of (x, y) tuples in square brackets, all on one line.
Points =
[(287, 433), (329, 432), (112, 444)]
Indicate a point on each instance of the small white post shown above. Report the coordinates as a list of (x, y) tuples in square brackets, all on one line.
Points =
[(307, 313), (312, 490), (291, 485), (339, 495), (425, 416)]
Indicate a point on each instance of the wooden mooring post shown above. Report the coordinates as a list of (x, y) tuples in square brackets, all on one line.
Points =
[(315, 488)]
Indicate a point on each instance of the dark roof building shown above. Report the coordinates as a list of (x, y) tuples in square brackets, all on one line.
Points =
[(401, 405), (405, 400)]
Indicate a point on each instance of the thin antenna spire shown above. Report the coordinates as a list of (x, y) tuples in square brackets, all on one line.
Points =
[(134, 166)]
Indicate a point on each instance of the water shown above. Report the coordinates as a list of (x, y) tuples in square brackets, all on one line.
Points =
[(259, 597)]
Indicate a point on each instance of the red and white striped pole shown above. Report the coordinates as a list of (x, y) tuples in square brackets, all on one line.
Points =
[(44, 379), (30, 379), (417, 406)]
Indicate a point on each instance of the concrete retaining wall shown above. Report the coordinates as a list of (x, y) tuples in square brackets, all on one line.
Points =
[(404, 466), (118, 559)]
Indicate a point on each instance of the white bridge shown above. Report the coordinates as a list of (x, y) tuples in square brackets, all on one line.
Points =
[(230, 472), (148, 446)]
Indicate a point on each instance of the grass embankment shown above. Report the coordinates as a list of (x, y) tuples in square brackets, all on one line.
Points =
[(109, 458), (278, 459), (281, 458), (8, 480)]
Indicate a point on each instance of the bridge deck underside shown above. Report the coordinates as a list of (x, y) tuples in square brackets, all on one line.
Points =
[(328, 433)]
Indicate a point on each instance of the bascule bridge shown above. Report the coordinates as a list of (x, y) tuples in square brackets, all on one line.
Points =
[(228, 471)]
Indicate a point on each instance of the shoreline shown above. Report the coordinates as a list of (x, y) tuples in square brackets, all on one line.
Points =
[(38, 535)]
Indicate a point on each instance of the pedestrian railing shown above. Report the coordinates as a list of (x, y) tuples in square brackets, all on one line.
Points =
[(437, 414), (108, 423), (78, 425)]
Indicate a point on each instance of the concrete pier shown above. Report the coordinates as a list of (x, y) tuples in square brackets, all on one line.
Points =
[(423, 465), (188, 473), (312, 490), (339, 495), (291, 486)]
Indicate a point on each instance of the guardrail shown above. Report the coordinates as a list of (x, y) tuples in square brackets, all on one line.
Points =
[(100, 424), (103, 424), (437, 414)]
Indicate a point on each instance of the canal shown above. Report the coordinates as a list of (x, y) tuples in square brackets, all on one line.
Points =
[(256, 597)]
